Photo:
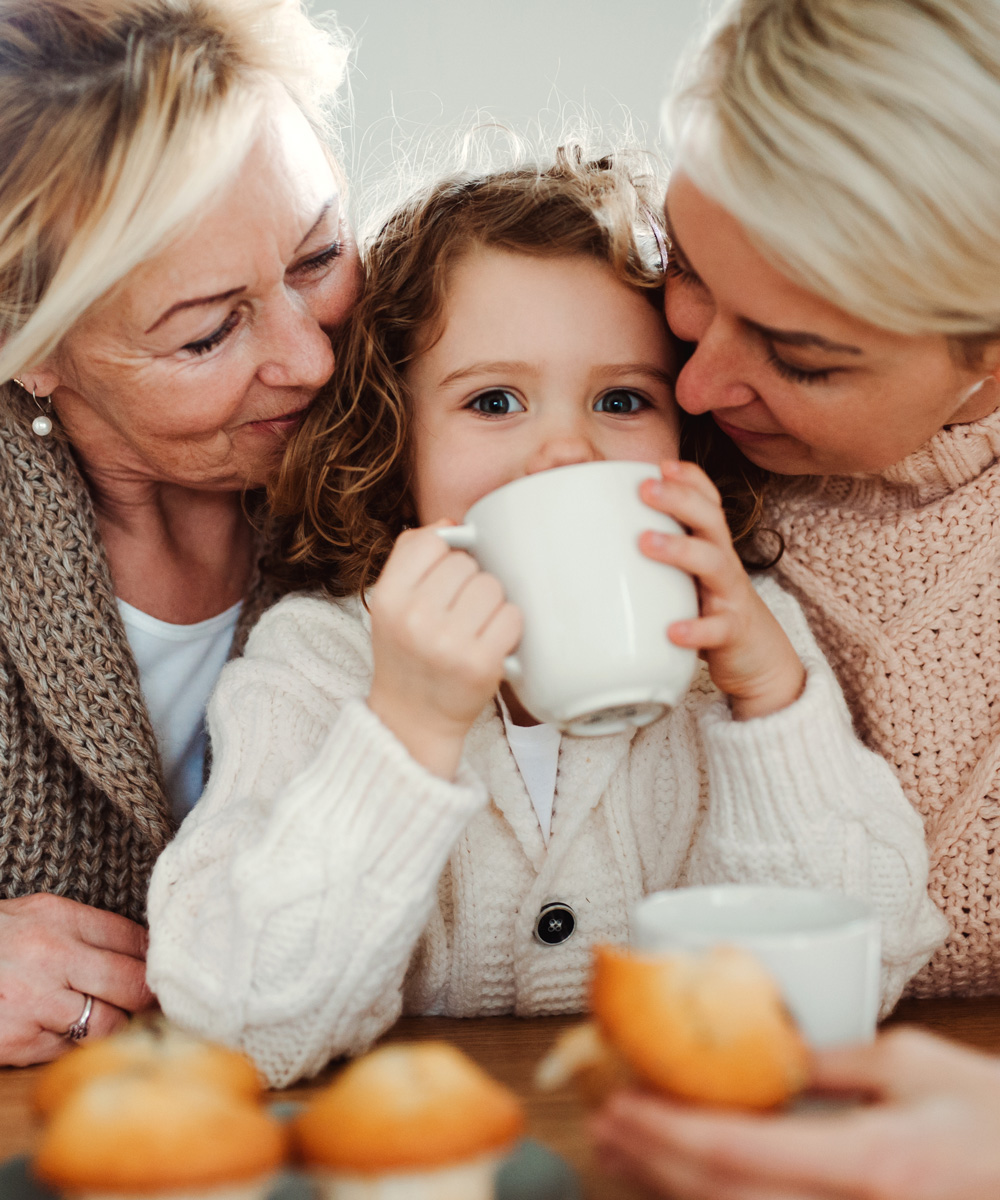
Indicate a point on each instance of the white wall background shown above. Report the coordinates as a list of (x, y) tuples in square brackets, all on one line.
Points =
[(423, 65)]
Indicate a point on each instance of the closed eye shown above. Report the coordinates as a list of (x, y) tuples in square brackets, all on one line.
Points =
[(216, 337), (497, 402), (323, 259), (678, 269), (798, 374)]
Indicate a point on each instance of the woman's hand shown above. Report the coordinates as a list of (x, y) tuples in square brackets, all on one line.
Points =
[(53, 953), (441, 629), (933, 1133), (749, 655)]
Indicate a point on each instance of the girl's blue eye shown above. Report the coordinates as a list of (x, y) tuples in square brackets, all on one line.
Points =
[(620, 403), (497, 402)]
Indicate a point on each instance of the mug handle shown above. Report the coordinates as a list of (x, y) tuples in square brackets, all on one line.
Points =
[(463, 537), (458, 537)]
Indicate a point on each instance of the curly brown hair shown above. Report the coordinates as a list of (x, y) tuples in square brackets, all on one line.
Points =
[(342, 496)]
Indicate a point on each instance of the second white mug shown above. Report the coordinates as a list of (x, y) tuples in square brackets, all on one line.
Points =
[(822, 948), (594, 657)]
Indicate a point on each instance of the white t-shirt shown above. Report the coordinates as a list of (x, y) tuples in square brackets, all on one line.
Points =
[(178, 668), (536, 752)]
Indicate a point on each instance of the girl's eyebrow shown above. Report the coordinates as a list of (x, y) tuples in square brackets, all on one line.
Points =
[(488, 368), (509, 367)]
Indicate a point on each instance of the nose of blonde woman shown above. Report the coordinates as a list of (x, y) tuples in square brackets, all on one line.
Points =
[(299, 352)]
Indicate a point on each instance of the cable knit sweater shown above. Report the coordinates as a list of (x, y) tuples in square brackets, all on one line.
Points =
[(900, 578), (326, 881)]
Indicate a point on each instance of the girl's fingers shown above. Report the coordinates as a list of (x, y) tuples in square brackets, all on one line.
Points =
[(720, 571), (503, 631), (702, 633), (691, 475), (699, 513), (415, 553), (475, 604)]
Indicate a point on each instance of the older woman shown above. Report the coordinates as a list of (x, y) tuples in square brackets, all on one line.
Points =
[(836, 263), (172, 253)]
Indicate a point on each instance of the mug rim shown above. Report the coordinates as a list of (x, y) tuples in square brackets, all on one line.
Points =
[(533, 479), (856, 916)]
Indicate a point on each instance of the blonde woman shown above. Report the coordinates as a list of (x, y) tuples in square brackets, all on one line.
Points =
[(172, 253), (836, 264)]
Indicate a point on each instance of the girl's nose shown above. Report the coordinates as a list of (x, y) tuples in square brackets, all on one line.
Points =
[(297, 351), (562, 452)]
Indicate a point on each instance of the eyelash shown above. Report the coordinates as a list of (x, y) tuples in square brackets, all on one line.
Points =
[(785, 370), (204, 345), (797, 374), (680, 273), (323, 259)]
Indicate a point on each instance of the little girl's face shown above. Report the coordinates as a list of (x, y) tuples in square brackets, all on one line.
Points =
[(542, 362)]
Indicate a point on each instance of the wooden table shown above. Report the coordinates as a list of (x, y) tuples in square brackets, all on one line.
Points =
[(509, 1048)]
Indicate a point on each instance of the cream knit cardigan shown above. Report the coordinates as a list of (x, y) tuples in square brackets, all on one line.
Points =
[(326, 882)]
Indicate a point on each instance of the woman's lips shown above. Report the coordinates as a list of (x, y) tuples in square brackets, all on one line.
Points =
[(748, 436), (283, 423)]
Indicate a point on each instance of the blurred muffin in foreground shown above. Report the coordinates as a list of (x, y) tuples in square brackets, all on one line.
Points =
[(151, 1045), (413, 1121), (136, 1136), (708, 1027)]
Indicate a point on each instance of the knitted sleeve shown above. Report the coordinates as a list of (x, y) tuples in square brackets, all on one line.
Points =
[(795, 799), (284, 915)]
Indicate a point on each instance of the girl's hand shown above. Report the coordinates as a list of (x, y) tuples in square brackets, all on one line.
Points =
[(441, 629), (749, 655)]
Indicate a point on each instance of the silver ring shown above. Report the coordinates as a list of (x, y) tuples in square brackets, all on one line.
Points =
[(78, 1030)]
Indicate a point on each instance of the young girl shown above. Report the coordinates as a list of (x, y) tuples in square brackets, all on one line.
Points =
[(385, 827)]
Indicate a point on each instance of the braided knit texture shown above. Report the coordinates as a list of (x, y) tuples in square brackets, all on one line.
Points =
[(83, 812), (900, 578)]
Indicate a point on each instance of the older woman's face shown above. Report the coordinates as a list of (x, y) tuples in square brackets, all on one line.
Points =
[(197, 366), (802, 387)]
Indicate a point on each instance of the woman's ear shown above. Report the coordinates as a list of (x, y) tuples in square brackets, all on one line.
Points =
[(42, 379)]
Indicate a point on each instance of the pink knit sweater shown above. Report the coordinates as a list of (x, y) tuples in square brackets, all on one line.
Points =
[(900, 578)]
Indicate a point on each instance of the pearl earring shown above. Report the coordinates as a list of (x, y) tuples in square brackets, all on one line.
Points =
[(42, 424)]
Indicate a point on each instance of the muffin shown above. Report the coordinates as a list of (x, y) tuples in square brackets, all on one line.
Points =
[(707, 1027), (152, 1045), (140, 1136), (413, 1121)]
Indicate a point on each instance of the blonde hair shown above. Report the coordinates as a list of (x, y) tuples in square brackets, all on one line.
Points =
[(343, 493), (118, 118), (858, 143)]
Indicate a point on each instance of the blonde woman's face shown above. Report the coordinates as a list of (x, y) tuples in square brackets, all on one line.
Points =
[(199, 364), (541, 362), (802, 387)]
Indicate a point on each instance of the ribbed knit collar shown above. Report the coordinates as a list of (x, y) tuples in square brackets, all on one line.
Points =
[(62, 629), (950, 460)]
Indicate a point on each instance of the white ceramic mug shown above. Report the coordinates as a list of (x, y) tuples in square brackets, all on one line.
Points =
[(594, 657), (822, 948)]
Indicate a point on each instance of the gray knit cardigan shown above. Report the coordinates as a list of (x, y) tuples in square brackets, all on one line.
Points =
[(83, 811)]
